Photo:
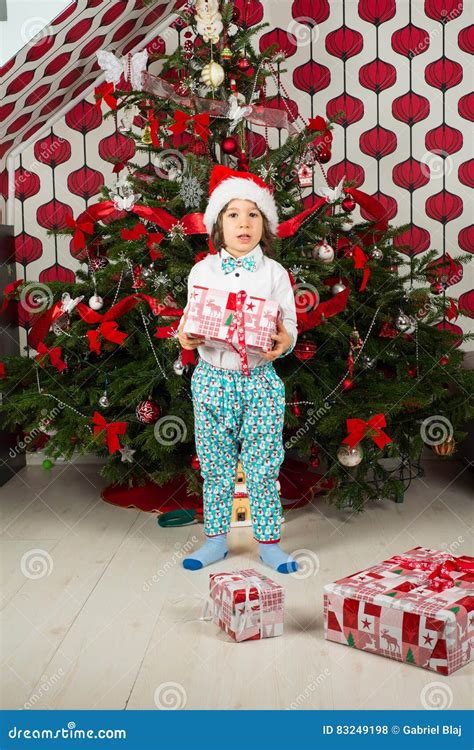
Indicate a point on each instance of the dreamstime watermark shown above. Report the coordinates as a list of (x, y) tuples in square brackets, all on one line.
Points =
[(169, 164), (314, 416), (436, 430), (424, 43), (42, 428), (170, 696), (436, 696), (47, 150), (305, 30), (308, 563), (34, 30), (306, 297), (313, 684), (177, 556), (45, 684), (36, 563), (170, 430), (36, 297), (436, 163), (454, 546)]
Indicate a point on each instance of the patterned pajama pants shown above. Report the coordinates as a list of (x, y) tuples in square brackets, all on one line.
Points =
[(235, 413)]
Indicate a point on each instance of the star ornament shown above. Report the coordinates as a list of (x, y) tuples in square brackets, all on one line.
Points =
[(127, 454)]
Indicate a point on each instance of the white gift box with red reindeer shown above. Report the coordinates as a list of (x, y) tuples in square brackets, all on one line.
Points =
[(417, 608), (232, 320), (246, 604)]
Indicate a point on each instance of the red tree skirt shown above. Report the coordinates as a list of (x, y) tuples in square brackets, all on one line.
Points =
[(298, 485)]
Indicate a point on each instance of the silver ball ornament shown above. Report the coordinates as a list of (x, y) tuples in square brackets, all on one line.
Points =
[(338, 287), (367, 362), (104, 401), (402, 322), (376, 254), (96, 302), (178, 367), (349, 457)]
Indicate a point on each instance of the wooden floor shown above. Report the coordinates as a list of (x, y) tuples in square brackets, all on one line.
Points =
[(97, 611)]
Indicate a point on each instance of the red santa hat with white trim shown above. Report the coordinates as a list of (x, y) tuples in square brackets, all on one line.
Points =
[(227, 184)]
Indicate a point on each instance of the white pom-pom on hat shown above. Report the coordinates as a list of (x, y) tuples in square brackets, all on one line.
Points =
[(227, 184)]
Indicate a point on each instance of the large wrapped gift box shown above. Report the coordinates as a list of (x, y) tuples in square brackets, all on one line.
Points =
[(416, 608), (232, 320), (246, 604)]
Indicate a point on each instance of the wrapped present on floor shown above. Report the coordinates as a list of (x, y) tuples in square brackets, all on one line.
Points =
[(246, 604), (232, 320), (416, 607)]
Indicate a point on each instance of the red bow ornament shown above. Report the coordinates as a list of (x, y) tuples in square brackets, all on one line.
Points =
[(81, 228), (357, 429), (109, 330), (199, 124), (112, 429), (54, 355), (105, 92)]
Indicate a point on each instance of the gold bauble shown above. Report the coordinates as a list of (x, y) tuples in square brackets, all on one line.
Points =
[(213, 75), (445, 449), (146, 135)]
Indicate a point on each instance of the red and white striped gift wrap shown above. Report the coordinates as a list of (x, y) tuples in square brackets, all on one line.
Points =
[(417, 608), (246, 604)]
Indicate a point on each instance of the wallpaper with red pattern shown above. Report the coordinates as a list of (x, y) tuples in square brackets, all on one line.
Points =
[(398, 68)]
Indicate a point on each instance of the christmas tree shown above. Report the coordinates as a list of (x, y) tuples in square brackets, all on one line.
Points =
[(376, 372)]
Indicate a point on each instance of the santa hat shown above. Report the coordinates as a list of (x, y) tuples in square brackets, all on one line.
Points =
[(226, 184)]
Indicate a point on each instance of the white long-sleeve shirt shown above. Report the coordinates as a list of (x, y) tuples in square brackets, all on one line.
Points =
[(269, 280)]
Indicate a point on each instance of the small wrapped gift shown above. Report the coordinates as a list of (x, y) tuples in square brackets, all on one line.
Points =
[(232, 320), (416, 607), (246, 604)]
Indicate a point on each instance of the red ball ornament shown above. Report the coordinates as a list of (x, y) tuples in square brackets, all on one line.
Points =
[(304, 350), (295, 408), (314, 462), (347, 384), (229, 145), (348, 204), (243, 64), (195, 463), (444, 360), (199, 148), (436, 288), (147, 411), (323, 155), (412, 371)]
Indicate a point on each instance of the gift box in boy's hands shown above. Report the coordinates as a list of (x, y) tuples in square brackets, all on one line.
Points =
[(246, 604), (219, 317), (416, 608)]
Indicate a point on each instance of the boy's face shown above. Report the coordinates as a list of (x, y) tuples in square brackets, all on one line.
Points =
[(242, 225)]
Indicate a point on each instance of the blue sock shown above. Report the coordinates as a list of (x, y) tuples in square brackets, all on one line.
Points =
[(213, 549), (273, 555)]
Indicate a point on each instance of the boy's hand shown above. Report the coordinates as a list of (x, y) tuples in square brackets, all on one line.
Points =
[(188, 342), (283, 342)]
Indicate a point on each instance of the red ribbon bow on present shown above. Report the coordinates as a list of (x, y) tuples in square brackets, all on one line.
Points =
[(357, 429), (81, 228), (440, 575), (113, 429), (54, 355), (105, 92), (237, 324), (198, 123), (109, 330)]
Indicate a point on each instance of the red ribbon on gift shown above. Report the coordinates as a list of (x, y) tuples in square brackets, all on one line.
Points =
[(105, 92), (358, 429), (199, 124), (81, 228), (439, 576), (113, 430), (236, 302), (54, 355)]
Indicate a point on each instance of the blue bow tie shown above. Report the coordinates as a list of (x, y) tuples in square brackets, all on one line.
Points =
[(229, 264)]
